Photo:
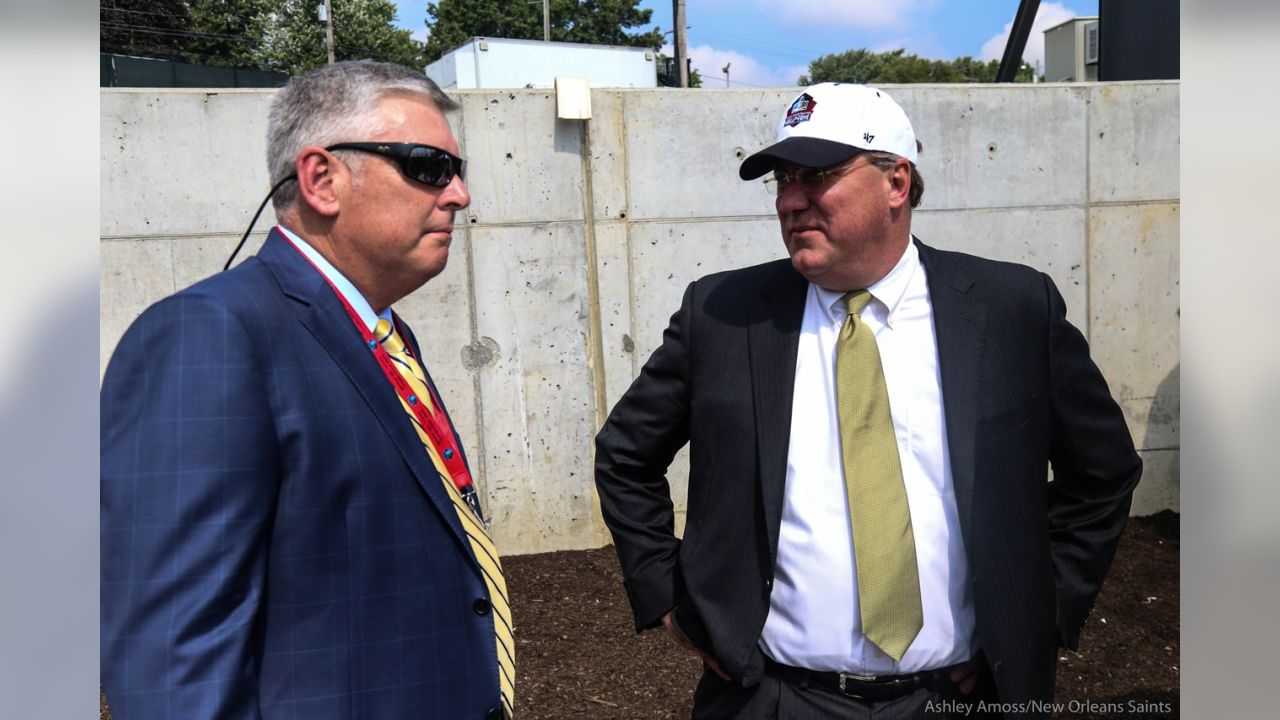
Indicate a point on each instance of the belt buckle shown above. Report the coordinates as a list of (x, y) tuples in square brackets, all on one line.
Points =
[(853, 676)]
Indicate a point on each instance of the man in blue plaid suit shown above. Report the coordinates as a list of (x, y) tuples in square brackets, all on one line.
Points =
[(275, 541)]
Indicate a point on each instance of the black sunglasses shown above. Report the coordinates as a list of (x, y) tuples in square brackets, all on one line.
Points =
[(426, 164)]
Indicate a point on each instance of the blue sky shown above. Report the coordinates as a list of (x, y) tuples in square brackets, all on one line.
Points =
[(770, 42)]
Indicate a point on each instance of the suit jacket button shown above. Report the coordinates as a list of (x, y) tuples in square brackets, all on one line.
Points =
[(481, 606), (494, 714)]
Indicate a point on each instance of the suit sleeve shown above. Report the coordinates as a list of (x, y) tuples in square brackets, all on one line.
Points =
[(633, 451), (1095, 469), (188, 489)]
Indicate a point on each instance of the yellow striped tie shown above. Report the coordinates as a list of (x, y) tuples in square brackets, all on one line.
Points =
[(481, 544), (883, 542)]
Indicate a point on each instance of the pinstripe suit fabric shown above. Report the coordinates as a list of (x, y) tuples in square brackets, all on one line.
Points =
[(275, 542)]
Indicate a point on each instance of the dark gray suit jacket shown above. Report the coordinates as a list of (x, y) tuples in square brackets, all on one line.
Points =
[(1020, 393)]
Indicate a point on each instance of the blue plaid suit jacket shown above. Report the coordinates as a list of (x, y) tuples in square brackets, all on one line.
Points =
[(275, 541)]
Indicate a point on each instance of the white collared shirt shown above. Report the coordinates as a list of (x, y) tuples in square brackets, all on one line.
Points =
[(813, 617), (340, 281)]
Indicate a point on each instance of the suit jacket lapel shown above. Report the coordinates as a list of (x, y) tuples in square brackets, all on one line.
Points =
[(960, 322), (328, 322), (773, 336)]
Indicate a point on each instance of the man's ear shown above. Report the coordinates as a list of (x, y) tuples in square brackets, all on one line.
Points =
[(320, 177), (900, 184)]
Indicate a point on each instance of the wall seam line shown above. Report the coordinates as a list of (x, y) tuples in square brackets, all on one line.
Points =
[(1088, 217), (595, 324), (481, 479)]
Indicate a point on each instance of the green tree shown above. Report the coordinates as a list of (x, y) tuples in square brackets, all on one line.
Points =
[(146, 28), (851, 66), (362, 29), (902, 68), (284, 35), (896, 66), (228, 32), (976, 70), (601, 22)]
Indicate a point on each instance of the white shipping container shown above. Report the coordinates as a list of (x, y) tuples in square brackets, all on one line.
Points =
[(505, 63)]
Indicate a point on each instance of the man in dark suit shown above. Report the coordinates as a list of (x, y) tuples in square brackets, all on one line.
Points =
[(289, 528), (869, 527)]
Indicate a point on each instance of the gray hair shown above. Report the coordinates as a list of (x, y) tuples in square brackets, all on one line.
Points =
[(886, 162), (332, 104)]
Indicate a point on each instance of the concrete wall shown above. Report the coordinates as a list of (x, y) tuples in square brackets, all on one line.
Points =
[(582, 236)]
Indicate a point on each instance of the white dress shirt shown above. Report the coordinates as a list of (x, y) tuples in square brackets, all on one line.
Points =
[(340, 281), (813, 617)]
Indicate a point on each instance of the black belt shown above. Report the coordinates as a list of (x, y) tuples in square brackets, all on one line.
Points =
[(862, 687)]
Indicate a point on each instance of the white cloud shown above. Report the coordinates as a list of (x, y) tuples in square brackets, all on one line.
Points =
[(1047, 16), (743, 69), (861, 14)]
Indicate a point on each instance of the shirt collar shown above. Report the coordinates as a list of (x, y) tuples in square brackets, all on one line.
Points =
[(340, 281), (888, 291)]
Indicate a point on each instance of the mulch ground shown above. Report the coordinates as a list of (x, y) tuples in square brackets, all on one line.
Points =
[(580, 657)]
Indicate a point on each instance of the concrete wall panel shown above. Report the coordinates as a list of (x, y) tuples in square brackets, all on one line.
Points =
[(1132, 156), (196, 258), (1005, 146), (1160, 488), (134, 275), (666, 257), (1051, 240), (1081, 183), (523, 165), (532, 303), (608, 129), (684, 149), (1135, 307), (616, 321), (183, 162)]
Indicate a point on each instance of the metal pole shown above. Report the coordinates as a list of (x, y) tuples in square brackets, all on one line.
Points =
[(726, 73), (1012, 59), (681, 44), (546, 20), (328, 29)]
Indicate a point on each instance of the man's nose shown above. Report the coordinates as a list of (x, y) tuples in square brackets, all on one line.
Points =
[(455, 194), (791, 198)]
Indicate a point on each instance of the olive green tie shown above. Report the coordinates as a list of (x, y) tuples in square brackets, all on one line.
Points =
[(883, 545)]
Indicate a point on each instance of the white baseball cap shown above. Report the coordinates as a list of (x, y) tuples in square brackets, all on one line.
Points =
[(829, 123)]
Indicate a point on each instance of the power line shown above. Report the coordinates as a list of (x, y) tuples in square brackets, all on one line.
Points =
[(177, 33), (143, 12), (756, 43)]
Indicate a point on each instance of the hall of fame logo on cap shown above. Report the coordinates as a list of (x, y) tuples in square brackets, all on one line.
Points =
[(800, 111)]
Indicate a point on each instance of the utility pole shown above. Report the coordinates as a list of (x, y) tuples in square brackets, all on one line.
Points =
[(725, 70), (328, 30), (546, 20), (681, 44)]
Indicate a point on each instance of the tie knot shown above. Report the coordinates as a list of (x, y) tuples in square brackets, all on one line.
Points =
[(385, 333), (856, 301)]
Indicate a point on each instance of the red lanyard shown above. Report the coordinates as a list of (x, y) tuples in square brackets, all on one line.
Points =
[(436, 424)]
